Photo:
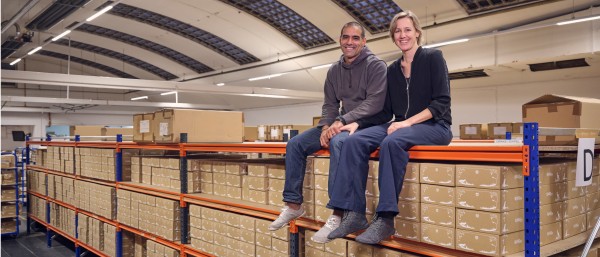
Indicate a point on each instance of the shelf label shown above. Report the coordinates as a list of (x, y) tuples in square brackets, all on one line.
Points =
[(585, 158), (164, 129)]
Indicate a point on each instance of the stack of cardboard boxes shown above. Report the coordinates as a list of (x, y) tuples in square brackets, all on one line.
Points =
[(156, 215), (63, 219), (279, 133), (96, 198), (37, 207), (102, 236), (491, 130), (36, 182), (224, 233), (62, 189), (164, 172)]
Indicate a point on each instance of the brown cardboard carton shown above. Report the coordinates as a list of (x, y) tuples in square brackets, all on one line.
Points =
[(489, 199), (412, 172), (553, 212), (208, 126), (321, 166), (487, 244), (257, 170), (437, 173), (441, 195), (321, 182), (438, 215), (592, 201), (592, 218), (489, 176), (321, 197), (411, 192), (250, 134), (562, 112), (490, 222), (574, 191), (551, 193), (312, 244), (575, 207), (498, 130), (384, 252), (356, 249), (407, 230), (263, 240), (573, 226), (473, 131), (337, 247), (322, 213), (550, 233), (438, 235), (410, 211), (142, 127)]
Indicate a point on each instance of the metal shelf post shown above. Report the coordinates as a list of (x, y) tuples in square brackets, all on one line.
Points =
[(183, 176), (119, 178), (532, 194)]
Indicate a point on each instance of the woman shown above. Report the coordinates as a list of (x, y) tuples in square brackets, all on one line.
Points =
[(419, 98)]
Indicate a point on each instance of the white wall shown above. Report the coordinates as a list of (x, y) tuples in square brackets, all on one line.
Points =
[(301, 114), (40, 121)]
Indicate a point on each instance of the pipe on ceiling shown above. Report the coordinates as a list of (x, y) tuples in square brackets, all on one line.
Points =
[(20, 14)]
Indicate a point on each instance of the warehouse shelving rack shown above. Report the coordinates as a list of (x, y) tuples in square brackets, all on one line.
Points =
[(6, 202), (527, 154)]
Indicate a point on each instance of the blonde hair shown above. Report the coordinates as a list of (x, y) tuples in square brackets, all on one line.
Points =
[(415, 20)]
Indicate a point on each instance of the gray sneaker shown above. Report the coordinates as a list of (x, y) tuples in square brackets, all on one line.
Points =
[(380, 229), (287, 215), (332, 223), (351, 222)]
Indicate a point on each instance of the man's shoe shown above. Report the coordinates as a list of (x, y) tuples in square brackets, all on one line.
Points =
[(380, 229), (332, 223), (287, 215), (351, 222)]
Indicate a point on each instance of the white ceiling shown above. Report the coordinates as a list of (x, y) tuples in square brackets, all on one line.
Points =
[(502, 53)]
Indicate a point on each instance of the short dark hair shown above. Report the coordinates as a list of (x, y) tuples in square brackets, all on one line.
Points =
[(355, 24)]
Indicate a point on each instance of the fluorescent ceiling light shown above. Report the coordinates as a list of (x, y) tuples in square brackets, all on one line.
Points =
[(61, 35), (321, 66), (578, 20), (220, 84), (34, 50), (169, 93), (266, 77), (15, 61), (446, 43), (139, 98), (265, 95), (99, 13)]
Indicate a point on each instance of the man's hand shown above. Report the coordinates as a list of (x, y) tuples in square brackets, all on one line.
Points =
[(330, 131), (350, 127), (398, 125)]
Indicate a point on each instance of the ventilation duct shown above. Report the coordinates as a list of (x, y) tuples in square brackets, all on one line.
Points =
[(9, 47), (467, 74), (574, 63)]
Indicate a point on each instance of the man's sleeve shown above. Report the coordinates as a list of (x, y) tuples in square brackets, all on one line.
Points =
[(331, 105)]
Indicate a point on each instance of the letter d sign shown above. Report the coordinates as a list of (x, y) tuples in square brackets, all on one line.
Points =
[(585, 157)]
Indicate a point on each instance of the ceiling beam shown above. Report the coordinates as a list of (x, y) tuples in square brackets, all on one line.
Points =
[(56, 79), (50, 100)]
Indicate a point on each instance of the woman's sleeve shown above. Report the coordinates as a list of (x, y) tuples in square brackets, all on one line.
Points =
[(440, 98)]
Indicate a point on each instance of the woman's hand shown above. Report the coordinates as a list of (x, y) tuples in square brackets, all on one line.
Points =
[(350, 127), (398, 125)]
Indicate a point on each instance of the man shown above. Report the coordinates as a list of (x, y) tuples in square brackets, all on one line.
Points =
[(358, 81)]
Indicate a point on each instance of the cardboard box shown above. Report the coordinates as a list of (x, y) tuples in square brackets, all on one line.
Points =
[(202, 126), (438, 235), (410, 192), (412, 172), (493, 200), (321, 166), (489, 176), (407, 230), (553, 172), (575, 207), (441, 195), (337, 247), (498, 130), (550, 233), (356, 249), (438, 215), (562, 112), (592, 201), (487, 244), (437, 174), (551, 193), (384, 252), (574, 226), (473, 131), (142, 127), (250, 134), (410, 211), (550, 213), (315, 121), (592, 217), (498, 223)]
